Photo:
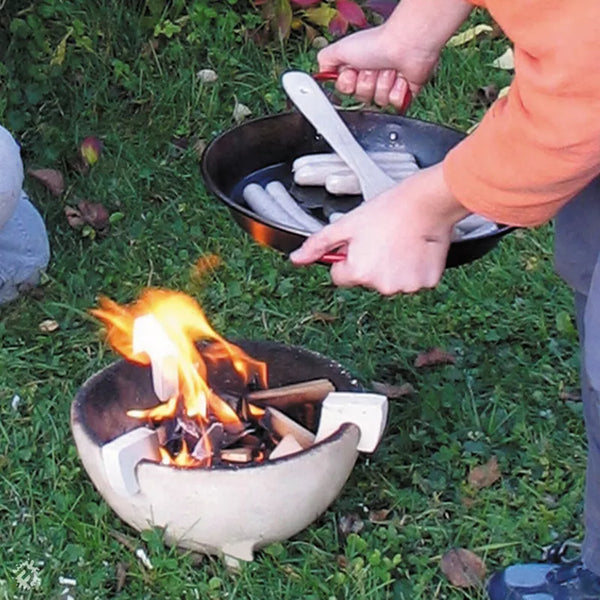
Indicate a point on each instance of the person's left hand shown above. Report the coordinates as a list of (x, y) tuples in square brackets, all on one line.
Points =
[(394, 243)]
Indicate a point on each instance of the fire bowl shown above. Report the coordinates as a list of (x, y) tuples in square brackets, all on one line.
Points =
[(228, 511)]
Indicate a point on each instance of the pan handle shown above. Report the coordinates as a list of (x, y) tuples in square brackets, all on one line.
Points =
[(333, 257)]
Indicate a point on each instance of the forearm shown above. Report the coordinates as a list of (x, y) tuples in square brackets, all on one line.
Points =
[(430, 22)]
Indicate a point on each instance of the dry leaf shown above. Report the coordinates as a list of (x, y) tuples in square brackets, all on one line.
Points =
[(379, 516), (94, 214), (52, 179), (319, 42), (323, 317), (486, 95), (206, 263), (467, 502), (199, 147), (240, 112), (504, 91), (506, 61), (48, 326), (470, 34), (485, 475), (342, 561), (392, 391), (463, 568), (351, 523), (569, 396), (122, 569), (472, 128), (74, 217), (123, 539), (207, 76), (90, 150), (434, 356)]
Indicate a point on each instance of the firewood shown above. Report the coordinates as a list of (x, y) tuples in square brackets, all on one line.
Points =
[(292, 395), (279, 423)]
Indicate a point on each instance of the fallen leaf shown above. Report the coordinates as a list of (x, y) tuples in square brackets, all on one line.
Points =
[(496, 32), (321, 15), (48, 326), (486, 95), (52, 179), (342, 561), (504, 91), (352, 12), (90, 150), (566, 395), (383, 8), (434, 356), (467, 502), (392, 391), (74, 217), (506, 61), (207, 263), (460, 39), (323, 317), (180, 142), (94, 214), (463, 568), (338, 26), (484, 476), (199, 147), (123, 539), (207, 76), (350, 523), (240, 112), (122, 569), (379, 516), (283, 18), (472, 128), (60, 52), (320, 42)]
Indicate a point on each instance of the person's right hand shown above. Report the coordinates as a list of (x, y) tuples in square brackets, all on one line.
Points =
[(376, 65), (381, 64)]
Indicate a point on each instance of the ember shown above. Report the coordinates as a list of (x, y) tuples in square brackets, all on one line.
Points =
[(197, 426)]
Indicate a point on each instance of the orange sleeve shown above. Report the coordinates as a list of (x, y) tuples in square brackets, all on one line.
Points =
[(537, 147)]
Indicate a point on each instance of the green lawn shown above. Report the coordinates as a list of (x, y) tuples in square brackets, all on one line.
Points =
[(506, 318)]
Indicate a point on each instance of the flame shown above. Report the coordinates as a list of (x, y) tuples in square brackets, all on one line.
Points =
[(185, 324)]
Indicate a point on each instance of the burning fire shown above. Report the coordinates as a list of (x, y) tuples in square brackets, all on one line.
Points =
[(182, 320)]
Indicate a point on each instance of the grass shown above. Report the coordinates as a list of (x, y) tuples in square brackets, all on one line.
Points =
[(505, 317)]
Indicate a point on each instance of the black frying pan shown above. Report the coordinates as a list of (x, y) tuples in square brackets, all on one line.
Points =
[(263, 149)]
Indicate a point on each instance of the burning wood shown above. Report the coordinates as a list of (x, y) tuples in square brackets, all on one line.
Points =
[(292, 395), (280, 424), (288, 445), (237, 455), (150, 337)]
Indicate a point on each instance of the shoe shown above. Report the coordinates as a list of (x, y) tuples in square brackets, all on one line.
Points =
[(543, 581)]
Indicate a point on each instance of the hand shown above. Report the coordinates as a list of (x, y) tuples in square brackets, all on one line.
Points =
[(371, 72), (384, 63), (394, 243)]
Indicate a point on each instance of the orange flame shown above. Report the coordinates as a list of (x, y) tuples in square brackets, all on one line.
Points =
[(184, 323)]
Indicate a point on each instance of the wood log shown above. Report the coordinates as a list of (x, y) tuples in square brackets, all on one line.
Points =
[(295, 394)]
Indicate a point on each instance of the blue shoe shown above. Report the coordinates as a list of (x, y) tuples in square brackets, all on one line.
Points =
[(543, 581)]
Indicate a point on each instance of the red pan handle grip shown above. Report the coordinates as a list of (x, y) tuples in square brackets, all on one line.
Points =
[(333, 257)]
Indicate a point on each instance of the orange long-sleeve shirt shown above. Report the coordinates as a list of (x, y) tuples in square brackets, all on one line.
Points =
[(539, 145)]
